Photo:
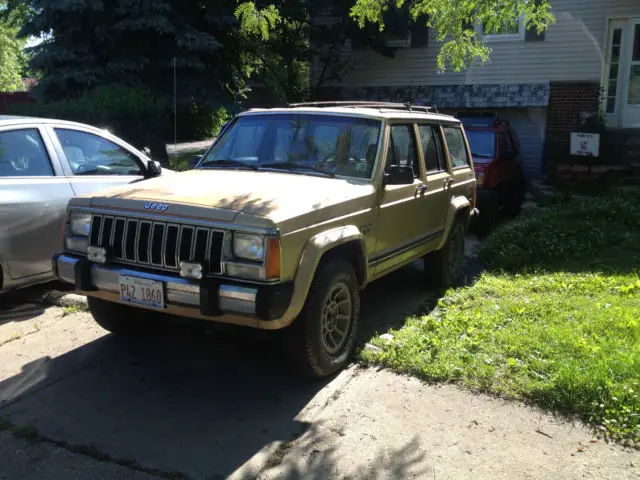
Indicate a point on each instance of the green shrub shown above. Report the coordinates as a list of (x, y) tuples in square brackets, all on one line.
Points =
[(553, 321), (575, 232)]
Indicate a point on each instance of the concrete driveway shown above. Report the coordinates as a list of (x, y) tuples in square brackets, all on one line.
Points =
[(190, 403)]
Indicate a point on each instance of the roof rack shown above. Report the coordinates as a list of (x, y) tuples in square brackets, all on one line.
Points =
[(367, 104)]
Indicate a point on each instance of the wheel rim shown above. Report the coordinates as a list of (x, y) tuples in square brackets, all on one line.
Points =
[(456, 253), (337, 315)]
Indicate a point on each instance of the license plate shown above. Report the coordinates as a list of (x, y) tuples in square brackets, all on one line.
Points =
[(142, 292)]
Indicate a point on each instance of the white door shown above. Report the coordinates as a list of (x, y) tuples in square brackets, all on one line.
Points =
[(631, 97), (615, 73)]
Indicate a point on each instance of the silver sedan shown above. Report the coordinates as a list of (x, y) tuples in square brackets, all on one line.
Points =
[(43, 163)]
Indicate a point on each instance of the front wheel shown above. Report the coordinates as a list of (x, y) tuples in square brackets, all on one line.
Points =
[(322, 338), (445, 266)]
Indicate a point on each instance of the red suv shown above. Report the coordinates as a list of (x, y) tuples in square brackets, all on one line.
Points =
[(500, 179)]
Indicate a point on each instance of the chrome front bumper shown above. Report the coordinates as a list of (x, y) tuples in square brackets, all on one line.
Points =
[(214, 300)]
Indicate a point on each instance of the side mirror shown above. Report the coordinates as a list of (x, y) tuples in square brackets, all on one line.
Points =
[(154, 169), (398, 175), (193, 161)]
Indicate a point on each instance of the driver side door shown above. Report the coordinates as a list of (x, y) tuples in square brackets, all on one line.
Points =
[(93, 162)]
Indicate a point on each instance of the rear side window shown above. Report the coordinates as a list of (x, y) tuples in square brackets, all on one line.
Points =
[(457, 150), (431, 148), (402, 148), (23, 154)]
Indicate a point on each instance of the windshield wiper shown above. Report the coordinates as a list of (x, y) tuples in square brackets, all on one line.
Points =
[(296, 166), (481, 155), (228, 163)]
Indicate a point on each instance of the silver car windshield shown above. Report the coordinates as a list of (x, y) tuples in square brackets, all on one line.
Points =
[(301, 143)]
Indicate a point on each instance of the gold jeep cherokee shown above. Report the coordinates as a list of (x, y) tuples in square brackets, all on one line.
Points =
[(290, 213)]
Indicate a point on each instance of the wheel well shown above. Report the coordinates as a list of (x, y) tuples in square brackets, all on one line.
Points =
[(463, 214), (352, 252)]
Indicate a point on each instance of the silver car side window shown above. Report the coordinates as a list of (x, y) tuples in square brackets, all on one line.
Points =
[(90, 154), (23, 154)]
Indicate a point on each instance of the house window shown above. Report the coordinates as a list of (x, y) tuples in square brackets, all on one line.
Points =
[(614, 67), (512, 30)]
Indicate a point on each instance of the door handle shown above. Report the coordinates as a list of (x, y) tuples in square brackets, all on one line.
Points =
[(448, 182), (422, 189)]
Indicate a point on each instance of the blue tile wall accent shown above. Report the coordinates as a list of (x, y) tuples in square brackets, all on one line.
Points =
[(457, 96)]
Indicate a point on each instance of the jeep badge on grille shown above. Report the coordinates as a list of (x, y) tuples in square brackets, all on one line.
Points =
[(160, 207)]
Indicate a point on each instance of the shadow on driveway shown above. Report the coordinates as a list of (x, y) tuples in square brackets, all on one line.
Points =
[(178, 401), (27, 303)]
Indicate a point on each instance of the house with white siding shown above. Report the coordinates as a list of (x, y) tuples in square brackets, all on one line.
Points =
[(544, 85)]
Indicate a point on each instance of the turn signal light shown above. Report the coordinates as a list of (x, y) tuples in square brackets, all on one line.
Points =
[(272, 263)]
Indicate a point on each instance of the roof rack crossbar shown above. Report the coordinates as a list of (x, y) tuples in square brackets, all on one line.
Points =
[(365, 104)]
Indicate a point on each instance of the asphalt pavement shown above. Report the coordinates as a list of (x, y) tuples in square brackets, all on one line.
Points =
[(195, 402)]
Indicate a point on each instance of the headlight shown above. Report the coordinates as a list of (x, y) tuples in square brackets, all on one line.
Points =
[(248, 246), (80, 223)]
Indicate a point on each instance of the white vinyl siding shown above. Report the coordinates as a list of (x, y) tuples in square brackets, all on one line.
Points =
[(573, 50)]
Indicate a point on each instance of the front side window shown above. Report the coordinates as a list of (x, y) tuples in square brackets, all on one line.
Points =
[(337, 145), (90, 154), (456, 145), (23, 154)]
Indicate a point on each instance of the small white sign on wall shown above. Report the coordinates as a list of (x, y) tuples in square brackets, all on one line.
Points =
[(585, 144)]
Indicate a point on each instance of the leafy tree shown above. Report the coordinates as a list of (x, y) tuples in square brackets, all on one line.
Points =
[(137, 42), (290, 37), (453, 22), (12, 58), (141, 44)]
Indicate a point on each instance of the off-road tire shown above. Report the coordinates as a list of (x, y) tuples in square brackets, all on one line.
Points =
[(121, 319), (304, 339), (439, 265)]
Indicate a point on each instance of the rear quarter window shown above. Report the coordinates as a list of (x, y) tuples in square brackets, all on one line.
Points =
[(457, 148)]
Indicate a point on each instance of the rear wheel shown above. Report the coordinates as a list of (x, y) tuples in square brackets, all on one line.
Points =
[(121, 319), (445, 266), (322, 338)]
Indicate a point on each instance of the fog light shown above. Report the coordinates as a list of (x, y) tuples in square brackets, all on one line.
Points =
[(76, 244), (191, 270), (97, 254)]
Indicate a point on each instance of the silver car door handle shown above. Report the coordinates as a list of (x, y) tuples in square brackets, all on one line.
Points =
[(448, 182), (422, 189)]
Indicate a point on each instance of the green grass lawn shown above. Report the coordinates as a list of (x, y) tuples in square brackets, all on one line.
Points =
[(554, 320)]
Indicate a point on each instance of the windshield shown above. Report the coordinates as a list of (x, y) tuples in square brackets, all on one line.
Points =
[(345, 146), (482, 143)]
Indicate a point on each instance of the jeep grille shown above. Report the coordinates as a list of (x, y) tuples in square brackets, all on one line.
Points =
[(157, 244)]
